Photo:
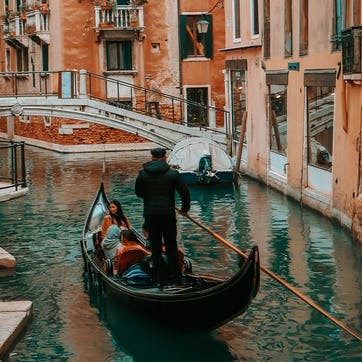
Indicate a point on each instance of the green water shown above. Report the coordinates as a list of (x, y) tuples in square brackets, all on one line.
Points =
[(72, 323)]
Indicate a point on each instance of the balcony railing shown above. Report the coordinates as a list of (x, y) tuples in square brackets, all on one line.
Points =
[(26, 24), (352, 52), (119, 17)]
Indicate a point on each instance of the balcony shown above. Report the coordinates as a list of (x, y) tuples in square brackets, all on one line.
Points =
[(119, 17), (17, 27), (352, 53)]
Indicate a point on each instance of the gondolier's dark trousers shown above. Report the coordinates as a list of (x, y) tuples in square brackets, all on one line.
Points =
[(162, 230)]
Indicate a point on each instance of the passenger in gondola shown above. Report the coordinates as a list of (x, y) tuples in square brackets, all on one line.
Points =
[(116, 216), (111, 242), (129, 253)]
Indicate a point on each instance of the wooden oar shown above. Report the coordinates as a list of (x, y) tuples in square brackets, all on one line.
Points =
[(303, 297)]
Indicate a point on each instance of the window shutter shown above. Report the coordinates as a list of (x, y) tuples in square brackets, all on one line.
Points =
[(208, 38), (127, 55), (45, 57), (183, 37)]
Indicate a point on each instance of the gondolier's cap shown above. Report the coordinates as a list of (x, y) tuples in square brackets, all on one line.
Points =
[(158, 152)]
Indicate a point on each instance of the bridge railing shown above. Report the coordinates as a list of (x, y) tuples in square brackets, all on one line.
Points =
[(171, 108), (29, 84), (12, 165), (76, 84)]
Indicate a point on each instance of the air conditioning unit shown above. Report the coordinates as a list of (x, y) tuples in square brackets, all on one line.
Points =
[(352, 53)]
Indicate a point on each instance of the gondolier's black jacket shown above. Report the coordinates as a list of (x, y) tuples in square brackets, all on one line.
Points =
[(156, 184)]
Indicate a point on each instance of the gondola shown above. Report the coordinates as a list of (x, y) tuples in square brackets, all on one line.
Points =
[(202, 161), (199, 303)]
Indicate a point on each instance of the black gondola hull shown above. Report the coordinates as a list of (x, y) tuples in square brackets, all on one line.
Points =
[(187, 306)]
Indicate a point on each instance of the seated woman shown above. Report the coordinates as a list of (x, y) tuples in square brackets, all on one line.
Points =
[(111, 242), (129, 253), (116, 216)]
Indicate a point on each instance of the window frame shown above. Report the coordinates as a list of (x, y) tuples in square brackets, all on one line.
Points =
[(185, 37), (236, 16), (124, 57), (254, 19)]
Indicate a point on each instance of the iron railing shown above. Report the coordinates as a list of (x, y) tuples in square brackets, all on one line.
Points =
[(12, 165), (114, 92), (352, 50)]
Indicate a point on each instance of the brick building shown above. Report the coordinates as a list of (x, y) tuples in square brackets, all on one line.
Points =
[(121, 40)]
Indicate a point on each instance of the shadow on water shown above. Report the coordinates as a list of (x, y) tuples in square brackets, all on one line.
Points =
[(145, 340)]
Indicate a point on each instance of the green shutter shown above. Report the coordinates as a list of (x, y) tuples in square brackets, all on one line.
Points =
[(45, 56), (208, 38), (127, 55), (183, 37)]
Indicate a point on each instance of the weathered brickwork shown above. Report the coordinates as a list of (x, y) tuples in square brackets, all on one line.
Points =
[(38, 129)]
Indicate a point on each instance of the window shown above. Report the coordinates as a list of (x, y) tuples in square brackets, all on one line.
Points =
[(278, 118), (320, 126), (196, 115), (266, 32), (288, 29), (7, 60), (303, 31), (22, 59), (238, 99), (236, 20), (192, 43), (45, 56), (254, 17), (119, 55)]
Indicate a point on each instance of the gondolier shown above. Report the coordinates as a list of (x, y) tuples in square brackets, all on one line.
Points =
[(156, 184)]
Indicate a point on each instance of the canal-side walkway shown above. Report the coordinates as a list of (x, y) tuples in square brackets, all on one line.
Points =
[(14, 317), (8, 191)]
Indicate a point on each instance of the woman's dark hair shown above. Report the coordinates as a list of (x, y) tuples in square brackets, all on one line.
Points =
[(120, 216), (128, 235)]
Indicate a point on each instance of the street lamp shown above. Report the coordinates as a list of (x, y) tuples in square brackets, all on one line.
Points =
[(202, 26)]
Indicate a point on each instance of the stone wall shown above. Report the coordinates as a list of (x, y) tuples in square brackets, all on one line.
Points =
[(68, 132)]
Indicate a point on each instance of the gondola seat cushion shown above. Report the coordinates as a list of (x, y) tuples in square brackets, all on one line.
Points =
[(134, 275)]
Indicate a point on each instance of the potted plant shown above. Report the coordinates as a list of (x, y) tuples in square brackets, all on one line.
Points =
[(44, 8), (139, 2), (107, 5)]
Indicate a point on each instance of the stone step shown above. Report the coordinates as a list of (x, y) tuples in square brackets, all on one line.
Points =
[(14, 318), (6, 259)]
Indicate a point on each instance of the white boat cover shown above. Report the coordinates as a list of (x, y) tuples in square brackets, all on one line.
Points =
[(187, 153)]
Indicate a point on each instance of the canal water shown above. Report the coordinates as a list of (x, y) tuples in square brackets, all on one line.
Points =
[(73, 323)]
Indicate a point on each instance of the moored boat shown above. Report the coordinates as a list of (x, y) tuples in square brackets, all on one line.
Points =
[(202, 161), (200, 302)]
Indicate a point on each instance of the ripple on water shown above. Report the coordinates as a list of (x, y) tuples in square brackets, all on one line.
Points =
[(43, 229)]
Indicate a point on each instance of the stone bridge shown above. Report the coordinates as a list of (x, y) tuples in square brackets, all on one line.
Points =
[(85, 107)]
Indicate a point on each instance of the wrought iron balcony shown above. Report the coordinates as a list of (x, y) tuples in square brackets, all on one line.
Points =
[(119, 17), (352, 52)]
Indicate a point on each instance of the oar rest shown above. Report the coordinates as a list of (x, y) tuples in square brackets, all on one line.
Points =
[(130, 255)]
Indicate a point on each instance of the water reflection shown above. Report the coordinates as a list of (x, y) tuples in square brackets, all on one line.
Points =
[(43, 229), (143, 340)]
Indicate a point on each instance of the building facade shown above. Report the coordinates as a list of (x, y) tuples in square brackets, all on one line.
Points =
[(293, 75), (126, 41)]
